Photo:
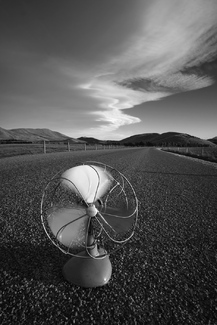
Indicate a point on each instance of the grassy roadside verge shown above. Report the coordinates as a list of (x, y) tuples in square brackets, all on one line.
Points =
[(204, 153), (11, 150)]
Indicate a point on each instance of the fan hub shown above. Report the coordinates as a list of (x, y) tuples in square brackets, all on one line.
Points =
[(92, 211)]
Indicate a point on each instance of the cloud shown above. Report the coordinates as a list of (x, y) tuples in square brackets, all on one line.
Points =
[(174, 37)]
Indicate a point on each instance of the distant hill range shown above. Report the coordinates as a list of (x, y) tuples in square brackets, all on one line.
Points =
[(156, 139), (213, 140), (145, 139), (168, 139), (92, 141), (33, 135)]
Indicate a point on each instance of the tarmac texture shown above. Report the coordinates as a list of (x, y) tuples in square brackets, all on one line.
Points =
[(166, 274)]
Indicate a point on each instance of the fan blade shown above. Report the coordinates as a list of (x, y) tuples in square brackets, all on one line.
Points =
[(69, 225), (91, 182), (118, 220)]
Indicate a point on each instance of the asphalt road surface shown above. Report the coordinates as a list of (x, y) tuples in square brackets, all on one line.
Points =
[(165, 275)]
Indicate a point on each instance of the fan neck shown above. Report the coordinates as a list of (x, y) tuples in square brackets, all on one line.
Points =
[(92, 246)]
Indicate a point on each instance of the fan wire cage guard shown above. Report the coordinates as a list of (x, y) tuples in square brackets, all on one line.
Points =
[(89, 211)]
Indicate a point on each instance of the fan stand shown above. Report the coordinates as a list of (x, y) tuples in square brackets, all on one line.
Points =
[(86, 271)]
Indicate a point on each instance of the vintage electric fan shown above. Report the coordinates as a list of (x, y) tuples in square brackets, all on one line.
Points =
[(88, 212)]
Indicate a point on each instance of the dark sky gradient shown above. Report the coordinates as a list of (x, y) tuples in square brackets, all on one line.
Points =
[(193, 112), (109, 69)]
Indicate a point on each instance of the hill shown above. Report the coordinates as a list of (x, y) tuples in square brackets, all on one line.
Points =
[(144, 139), (5, 134), (166, 139), (91, 141), (33, 135), (213, 140)]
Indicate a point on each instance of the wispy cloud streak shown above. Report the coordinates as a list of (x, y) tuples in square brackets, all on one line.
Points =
[(174, 37)]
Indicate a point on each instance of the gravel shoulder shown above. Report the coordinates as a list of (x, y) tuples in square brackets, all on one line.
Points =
[(165, 275)]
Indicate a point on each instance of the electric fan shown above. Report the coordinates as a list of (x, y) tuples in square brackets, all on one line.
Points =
[(89, 211)]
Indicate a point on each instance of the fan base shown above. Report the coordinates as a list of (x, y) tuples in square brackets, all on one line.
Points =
[(87, 272)]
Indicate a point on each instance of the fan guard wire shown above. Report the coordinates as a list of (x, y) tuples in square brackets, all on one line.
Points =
[(98, 214)]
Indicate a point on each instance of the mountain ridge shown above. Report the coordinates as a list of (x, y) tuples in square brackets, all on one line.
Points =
[(33, 135), (148, 139), (213, 140), (167, 138)]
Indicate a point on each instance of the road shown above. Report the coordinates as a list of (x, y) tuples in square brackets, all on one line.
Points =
[(165, 275)]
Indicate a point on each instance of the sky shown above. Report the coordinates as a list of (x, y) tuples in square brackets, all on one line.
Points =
[(109, 69)]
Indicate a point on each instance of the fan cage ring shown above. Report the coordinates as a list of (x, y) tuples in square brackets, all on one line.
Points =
[(105, 237)]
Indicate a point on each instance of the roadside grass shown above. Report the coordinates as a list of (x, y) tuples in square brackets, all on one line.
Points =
[(11, 150), (204, 153)]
